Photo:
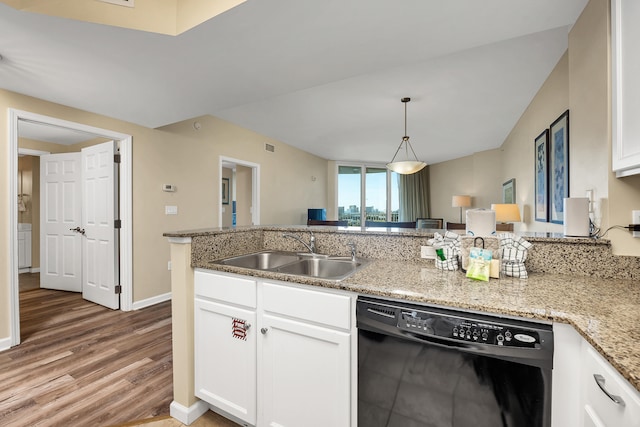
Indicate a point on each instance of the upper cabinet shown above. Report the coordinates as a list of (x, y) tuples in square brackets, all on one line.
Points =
[(625, 88)]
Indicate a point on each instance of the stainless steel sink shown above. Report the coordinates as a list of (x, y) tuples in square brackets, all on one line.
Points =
[(302, 264), (265, 260), (322, 268)]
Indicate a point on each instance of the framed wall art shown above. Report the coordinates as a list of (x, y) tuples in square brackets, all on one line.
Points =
[(225, 191), (541, 175), (509, 191), (558, 167)]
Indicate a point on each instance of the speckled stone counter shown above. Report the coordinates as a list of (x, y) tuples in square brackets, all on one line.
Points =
[(604, 308)]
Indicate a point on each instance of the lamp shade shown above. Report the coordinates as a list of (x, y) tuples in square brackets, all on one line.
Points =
[(461, 201), (406, 167), (506, 212)]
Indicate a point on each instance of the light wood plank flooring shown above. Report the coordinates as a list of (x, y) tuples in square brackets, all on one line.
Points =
[(81, 364), (209, 419)]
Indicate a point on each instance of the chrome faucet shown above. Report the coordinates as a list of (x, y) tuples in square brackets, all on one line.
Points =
[(311, 247), (352, 246)]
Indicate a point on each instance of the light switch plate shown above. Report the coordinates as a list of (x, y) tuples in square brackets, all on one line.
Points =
[(171, 210)]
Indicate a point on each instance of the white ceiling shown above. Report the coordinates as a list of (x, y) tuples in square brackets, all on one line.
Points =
[(325, 76)]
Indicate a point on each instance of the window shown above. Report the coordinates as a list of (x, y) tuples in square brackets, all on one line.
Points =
[(367, 193)]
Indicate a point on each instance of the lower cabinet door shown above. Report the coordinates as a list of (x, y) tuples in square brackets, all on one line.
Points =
[(305, 374), (609, 400), (225, 358)]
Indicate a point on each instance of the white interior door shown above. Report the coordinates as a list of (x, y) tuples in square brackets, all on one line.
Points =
[(61, 213), (100, 275)]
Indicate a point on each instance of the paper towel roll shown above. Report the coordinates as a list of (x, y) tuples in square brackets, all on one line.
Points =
[(576, 216), (481, 222)]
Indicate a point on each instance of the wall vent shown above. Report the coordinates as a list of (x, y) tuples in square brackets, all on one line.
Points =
[(128, 3), (270, 147)]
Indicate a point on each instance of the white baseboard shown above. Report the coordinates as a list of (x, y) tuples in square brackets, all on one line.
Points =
[(35, 270), (5, 343), (151, 301), (188, 415)]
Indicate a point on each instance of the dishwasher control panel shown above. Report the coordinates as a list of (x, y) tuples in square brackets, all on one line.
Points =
[(466, 329)]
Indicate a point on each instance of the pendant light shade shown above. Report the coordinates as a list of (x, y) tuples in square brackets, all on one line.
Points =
[(408, 166)]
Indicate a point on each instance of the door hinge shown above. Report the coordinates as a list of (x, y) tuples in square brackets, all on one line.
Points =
[(117, 223), (116, 158), (118, 289)]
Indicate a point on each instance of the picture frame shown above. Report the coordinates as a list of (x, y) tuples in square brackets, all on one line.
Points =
[(558, 167), (509, 191), (541, 177), (225, 191)]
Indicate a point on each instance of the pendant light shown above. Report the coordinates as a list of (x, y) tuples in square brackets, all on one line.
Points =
[(405, 167)]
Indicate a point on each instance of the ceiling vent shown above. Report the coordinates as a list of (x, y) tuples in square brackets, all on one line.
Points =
[(128, 3), (269, 147)]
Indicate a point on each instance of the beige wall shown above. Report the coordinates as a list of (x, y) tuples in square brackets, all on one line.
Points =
[(188, 158), (590, 111), (286, 185), (478, 176), (518, 149)]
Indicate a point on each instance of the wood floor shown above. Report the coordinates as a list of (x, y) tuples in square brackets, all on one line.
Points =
[(81, 364)]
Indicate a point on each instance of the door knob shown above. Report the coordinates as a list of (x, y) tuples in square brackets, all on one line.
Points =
[(78, 230), (264, 331)]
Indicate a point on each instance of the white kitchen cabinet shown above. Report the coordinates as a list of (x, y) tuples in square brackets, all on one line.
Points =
[(295, 366), (305, 364), (602, 410), (625, 107), (577, 400), (566, 390), (225, 344)]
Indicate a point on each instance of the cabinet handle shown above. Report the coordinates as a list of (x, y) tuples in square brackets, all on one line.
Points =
[(264, 331), (246, 326), (600, 381)]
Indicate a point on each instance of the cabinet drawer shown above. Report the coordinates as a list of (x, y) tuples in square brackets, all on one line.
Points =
[(230, 289), (316, 306), (600, 407)]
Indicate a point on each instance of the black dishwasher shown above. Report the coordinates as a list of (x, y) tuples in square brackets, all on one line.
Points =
[(430, 366)]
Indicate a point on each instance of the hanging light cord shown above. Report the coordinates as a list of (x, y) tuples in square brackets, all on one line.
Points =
[(405, 138)]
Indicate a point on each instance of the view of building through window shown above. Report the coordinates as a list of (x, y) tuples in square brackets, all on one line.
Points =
[(381, 194)]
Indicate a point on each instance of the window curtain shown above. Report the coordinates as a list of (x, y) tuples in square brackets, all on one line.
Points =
[(414, 195)]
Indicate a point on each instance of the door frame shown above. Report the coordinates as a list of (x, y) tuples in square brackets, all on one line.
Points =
[(255, 187), (125, 207)]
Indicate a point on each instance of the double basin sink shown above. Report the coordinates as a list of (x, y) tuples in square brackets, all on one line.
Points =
[(302, 264)]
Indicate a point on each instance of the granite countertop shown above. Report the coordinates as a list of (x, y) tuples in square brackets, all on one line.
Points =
[(603, 311)]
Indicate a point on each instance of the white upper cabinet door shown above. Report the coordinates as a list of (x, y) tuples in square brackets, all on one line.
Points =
[(625, 74), (61, 214), (99, 207)]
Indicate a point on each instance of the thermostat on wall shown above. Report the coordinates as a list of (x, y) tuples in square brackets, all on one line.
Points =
[(168, 187)]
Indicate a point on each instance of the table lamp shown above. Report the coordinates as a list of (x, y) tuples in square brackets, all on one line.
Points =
[(461, 202), (506, 212)]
